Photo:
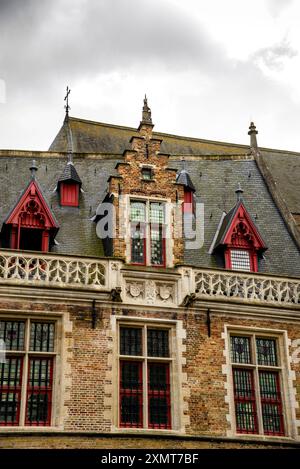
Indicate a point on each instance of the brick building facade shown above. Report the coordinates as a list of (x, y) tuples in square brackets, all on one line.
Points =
[(149, 337)]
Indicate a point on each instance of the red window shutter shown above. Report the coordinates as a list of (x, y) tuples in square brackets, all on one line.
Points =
[(188, 205), (69, 194)]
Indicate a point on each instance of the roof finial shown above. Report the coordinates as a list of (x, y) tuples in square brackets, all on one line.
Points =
[(33, 168), (239, 192), (66, 98), (253, 132), (146, 116)]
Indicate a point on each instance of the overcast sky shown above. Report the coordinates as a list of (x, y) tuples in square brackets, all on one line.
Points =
[(208, 67)]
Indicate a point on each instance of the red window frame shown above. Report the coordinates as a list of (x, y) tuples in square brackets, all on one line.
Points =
[(252, 257), (274, 402), (40, 390), (138, 393), (14, 390), (160, 394), (245, 399), (69, 194)]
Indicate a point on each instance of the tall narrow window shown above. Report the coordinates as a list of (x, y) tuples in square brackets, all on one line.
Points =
[(256, 373), (147, 233), (29, 347), (144, 377), (138, 239)]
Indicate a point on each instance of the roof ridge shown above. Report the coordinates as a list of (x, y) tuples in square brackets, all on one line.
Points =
[(183, 137)]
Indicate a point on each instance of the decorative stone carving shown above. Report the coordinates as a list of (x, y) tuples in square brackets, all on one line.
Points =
[(151, 292), (135, 289)]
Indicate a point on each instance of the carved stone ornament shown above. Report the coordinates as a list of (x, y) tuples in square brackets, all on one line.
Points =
[(151, 292), (166, 292)]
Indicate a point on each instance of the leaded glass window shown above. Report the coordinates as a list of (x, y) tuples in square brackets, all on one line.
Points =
[(240, 349), (257, 410), (240, 260), (27, 401), (147, 233), (266, 351), (130, 341), (12, 333), (144, 384)]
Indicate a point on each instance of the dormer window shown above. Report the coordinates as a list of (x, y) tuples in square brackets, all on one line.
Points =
[(147, 174), (31, 224), (69, 194), (239, 239), (68, 186), (241, 259)]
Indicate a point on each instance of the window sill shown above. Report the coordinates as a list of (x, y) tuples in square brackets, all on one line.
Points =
[(146, 431), (28, 429)]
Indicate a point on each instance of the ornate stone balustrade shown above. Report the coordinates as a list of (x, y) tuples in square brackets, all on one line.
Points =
[(47, 269), (228, 286), (170, 288)]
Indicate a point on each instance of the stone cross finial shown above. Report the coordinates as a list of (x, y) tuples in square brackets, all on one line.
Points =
[(33, 168), (253, 132), (239, 192), (146, 116)]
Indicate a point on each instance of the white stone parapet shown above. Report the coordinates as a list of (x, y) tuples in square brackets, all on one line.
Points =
[(181, 286)]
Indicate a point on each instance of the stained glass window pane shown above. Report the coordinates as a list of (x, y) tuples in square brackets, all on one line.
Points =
[(266, 351), (12, 333), (157, 213), (138, 211), (130, 341), (157, 245), (158, 343), (42, 337), (240, 349), (138, 243), (240, 260)]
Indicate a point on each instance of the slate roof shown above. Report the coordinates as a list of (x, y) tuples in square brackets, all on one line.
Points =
[(184, 178), (70, 174), (215, 169)]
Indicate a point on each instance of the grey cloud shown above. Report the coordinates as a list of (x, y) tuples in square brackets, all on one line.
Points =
[(273, 56), (98, 37)]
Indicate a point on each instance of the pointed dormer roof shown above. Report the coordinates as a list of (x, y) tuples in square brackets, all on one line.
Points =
[(70, 174), (184, 178), (238, 220), (31, 208)]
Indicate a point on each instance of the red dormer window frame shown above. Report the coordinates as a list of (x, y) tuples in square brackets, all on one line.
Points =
[(30, 214), (189, 203), (252, 258), (69, 194), (242, 235)]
